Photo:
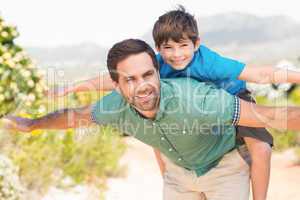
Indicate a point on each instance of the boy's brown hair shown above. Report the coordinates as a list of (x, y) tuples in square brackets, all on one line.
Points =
[(175, 25)]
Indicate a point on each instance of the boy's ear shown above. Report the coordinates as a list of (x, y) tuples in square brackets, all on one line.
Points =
[(157, 48), (197, 43)]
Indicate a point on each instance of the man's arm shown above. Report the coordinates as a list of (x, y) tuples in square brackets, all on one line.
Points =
[(269, 74), (99, 83), (282, 118), (160, 162), (61, 119)]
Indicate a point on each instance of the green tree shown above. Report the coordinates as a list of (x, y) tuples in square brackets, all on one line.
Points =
[(20, 81), (47, 157)]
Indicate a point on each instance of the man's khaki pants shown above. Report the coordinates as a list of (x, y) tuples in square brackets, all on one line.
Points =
[(229, 180)]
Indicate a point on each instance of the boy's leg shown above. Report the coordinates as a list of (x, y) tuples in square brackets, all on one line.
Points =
[(260, 166)]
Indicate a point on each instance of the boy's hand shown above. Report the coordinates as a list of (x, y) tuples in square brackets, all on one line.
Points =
[(57, 92), (18, 123)]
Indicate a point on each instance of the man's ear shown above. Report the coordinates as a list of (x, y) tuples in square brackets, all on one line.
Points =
[(197, 44), (117, 88)]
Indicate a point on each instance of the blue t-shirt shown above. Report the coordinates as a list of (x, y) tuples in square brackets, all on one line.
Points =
[(208, 66)]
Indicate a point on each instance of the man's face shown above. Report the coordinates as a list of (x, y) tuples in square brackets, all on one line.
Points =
[(178, 54), (139, 82)]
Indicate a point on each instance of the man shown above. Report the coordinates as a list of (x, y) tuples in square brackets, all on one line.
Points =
[(190, 123)]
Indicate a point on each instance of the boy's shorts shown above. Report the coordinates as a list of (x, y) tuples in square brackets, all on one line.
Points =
[(258, 133)]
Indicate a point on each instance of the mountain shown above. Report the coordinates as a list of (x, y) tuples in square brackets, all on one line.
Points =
[(78, 54), (245, 29), (68, 63), (244, 37), (249, 37)]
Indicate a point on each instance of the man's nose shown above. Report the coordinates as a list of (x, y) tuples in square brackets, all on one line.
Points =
[(140, 82), (142, 86)]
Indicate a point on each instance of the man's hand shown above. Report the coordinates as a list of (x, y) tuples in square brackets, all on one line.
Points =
[(57, 92), (18, 123), (160, 162), (60, 119)]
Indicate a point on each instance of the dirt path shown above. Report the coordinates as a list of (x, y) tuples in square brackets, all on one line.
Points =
[(285, 177), (144, 181)]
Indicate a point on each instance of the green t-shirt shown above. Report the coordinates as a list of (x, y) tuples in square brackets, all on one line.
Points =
[(194, 126)]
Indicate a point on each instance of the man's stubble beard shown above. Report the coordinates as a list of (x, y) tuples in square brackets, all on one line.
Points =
[(153, 104)]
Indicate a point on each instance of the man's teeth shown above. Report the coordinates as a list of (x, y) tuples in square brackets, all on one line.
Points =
[(145, 95)]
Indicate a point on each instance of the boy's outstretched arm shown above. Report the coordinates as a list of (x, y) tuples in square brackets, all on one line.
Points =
[(282, 118), (60, 119), (99, 83), (269, 74)]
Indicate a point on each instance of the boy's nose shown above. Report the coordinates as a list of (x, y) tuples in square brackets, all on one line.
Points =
[(177, 52)]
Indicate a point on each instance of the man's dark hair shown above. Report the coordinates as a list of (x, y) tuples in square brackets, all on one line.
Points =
[(174, 25), (122, 50)]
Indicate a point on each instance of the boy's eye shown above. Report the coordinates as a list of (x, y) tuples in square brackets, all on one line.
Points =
[(167, 47), (184, 45)]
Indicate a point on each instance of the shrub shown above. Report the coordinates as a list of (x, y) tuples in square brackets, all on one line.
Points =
[(45, 158), (20, 81), (10, 185)]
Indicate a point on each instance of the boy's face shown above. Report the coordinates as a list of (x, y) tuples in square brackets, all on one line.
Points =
[(178, 54)]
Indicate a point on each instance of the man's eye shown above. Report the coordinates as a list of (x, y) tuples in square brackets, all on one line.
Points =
[(184, 45), (128, 79), (167, 47), (149, 74)]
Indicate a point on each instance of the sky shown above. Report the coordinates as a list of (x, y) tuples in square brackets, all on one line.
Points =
[(65, 22)]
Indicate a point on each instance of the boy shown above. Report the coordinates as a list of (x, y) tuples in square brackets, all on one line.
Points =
[(181, 55)]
